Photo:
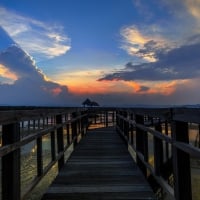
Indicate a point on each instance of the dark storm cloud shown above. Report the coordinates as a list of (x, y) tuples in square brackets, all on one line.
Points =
[(178, 63), (31, 86), (143, 89)]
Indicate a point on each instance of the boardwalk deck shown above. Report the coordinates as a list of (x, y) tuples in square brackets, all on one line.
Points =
[(100, 168)]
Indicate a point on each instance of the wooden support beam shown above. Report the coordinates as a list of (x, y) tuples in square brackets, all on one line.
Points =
[(158, 151), (125, 126), (166, 144), (132, 129), (106, 118), (68, 133), (141, 144), (11, 163), (53, 146), (113, 117), (181, 163), (39, 157), (74, 128), (60, 141)]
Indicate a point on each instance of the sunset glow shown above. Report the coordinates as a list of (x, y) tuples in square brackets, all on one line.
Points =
[(65, 52), (5, 72)]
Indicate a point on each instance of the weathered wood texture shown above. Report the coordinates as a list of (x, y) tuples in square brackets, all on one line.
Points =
[(100, 168)]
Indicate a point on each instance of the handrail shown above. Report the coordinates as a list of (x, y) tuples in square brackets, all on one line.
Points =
[(136, 124), (35, 129), (64, 126), (193, 151)]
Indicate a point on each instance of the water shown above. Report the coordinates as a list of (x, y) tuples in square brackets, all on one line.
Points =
[(29, 168)]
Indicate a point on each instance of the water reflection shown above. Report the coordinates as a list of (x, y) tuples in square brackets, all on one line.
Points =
[(28, 165), (46, 149), (39, 190)]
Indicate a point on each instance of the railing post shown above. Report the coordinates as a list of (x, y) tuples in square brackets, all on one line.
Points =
[(83, 123), (95, 117), (117, 120), (116, 117), (79, 124), (158, 150), (74, 128), (68, 133), (198, 137), (39, 157), (113, 117), (126, 126), (86, 121), (121, 121), (181, 162), (141, 144), (60, 141), (11, 163), (53, 147), (166, 145), (132, 128), (106, 116)]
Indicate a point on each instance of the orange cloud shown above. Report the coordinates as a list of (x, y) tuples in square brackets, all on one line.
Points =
[(85, 82), (134, 85), (96, 87), (6, 73), (56, 91), (88, 85), (165, 88), (131, 87), (134, 39), (193, 7)]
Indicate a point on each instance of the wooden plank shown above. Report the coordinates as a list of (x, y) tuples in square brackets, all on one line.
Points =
[(100, 168)]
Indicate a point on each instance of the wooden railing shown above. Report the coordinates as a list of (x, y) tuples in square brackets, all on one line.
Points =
[(26, 128), (159, 139), (20, 128)]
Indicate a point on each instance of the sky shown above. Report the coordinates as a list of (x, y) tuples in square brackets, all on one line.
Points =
[(115, 52)]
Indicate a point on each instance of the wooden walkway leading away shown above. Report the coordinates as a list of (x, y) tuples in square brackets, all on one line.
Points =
[(100, 168)]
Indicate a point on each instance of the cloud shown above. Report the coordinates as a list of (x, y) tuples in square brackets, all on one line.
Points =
[(6, 73), (182, 8), (140, 43), (193, 7), (33, 88), (185, 93), (29, 86), (169, 49), (180, 20), (178, 63), (172, 75), (42, 40), (144, 9)]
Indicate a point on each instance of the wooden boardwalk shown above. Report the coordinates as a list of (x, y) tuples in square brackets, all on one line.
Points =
[(100, 168)]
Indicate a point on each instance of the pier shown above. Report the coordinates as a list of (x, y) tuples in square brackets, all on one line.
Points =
[(119, 153), (100, 168)]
